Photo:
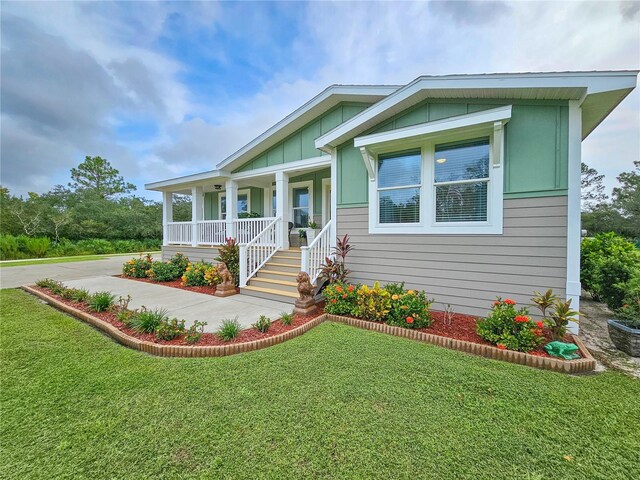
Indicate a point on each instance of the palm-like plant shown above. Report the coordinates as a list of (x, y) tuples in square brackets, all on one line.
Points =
[(334, 268), (559, 318), (544, 300)]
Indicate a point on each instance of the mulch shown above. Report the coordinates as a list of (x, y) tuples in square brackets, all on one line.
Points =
[(461, 327), (207, 290)]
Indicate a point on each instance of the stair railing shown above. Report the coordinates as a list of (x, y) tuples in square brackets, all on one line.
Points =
[(313, 255), (255, 253)]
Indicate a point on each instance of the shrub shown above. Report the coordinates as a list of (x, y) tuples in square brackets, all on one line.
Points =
[(137, 267), (79, 295), (211, 276), (410, 309), (341, 299), (229, 254), (286, 318), (194, 274), (194, 332), (629, 313), (101, 301), (37, 246), (594, 251), (147, 321), (8, 247), (48, 283), (334, 268), (373, 303), (395, 288), (611, 278), (169, 329), (96, 246), (263, 324), (559, 318), (229, 329), (163, 272), (509, 328), (180, 262)]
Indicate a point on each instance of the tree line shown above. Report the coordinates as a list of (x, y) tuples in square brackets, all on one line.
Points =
[(97, 203), (619, 212)]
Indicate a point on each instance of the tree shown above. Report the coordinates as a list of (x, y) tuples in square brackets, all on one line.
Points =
[(626, 197), (96, 176), (591, 187)]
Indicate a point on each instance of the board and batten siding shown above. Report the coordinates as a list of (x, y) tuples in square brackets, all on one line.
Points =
[(468, 271), (195, 254)]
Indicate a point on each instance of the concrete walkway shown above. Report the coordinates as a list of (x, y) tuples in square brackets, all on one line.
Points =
[(97, 275), (186, 305)]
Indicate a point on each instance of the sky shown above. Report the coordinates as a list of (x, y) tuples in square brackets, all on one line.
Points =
[(164, 89)]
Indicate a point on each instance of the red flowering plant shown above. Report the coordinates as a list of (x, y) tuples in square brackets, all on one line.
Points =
[(409, 308), (340, 298), (510, 328)]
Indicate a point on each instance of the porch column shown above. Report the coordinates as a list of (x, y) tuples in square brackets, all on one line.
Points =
[(334, 197), (167, 215), (282, 209), (197, 212), (232, 207)]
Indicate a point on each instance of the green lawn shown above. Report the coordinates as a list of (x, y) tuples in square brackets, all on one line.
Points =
[(337, 402), (79, 258)]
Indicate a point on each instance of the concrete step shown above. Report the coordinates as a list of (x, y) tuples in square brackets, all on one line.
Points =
[(276, 285), (277, 274), (269, 294)]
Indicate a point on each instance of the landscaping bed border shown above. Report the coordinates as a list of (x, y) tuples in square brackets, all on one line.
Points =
[(583, 365)]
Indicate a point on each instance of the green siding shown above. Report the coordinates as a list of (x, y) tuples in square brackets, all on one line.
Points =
[(317, 177), (257, 200), (301, 144), (211, 206), (536, 156)]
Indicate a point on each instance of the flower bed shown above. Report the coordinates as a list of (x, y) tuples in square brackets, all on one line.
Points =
[(206, 289)]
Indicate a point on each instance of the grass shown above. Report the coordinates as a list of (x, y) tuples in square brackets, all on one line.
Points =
[(337, 402), (79, 258)]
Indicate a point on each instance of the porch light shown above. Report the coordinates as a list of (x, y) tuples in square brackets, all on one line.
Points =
[(218, 186), (441, 160)]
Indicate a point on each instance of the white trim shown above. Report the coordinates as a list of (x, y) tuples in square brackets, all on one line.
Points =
[(326, 200), (422, 130), (334, 197), (186, 180), (223, 193), (427, 224), (309, 185), (289, 167), (167, 215), (573, 287)]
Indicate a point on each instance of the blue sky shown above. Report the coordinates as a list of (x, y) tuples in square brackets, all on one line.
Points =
[(163, 89)]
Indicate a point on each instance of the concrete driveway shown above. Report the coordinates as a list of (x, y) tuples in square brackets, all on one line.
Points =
[(97, 275)]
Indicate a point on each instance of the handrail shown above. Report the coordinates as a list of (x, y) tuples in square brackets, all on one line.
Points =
[(255, 253), (314, 255)]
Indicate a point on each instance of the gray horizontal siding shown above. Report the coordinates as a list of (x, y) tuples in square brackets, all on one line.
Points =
[(468, 271), (195, 254)]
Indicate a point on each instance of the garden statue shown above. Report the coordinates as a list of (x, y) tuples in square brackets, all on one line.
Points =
[(227, 286), (305, 303)]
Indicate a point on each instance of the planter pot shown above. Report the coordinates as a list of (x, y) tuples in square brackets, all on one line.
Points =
[(311, 235), (625, 338)]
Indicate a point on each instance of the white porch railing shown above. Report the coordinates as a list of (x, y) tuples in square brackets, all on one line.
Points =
[(314, 255), (256, 252), (179, 232), (212, 232), (249, 228)]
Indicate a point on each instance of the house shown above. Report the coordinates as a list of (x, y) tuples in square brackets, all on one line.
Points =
[(466, 186)]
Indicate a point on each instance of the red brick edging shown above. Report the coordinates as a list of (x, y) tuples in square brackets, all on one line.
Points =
[(586, 364)]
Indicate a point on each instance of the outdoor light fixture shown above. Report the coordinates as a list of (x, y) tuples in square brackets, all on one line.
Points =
[(441, 160), (217, 186)]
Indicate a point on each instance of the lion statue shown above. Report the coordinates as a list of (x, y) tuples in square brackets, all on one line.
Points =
[(225, 275), (305, 289)]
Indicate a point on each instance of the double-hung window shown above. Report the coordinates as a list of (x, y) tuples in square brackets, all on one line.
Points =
[(461, 181), (243, 204), (399, 186)]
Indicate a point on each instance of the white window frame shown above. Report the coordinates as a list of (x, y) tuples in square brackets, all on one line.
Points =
[(419, 186), (427, 224), (309, 185), (244, 191)]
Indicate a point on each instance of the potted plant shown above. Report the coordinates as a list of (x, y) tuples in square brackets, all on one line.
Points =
[(311, 231), (625, 330)]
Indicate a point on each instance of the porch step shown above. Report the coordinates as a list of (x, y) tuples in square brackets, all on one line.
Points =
[(288, 259), (277, 274), (282, 267), (280, 285), (269, 294)]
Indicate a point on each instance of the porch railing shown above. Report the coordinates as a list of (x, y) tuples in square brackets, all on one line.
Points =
[(212, 232), (256, 252), (179, 232), (249, 228), (314, 255)]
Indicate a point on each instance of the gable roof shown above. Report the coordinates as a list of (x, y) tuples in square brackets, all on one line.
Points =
[(600, 92), (321, 103)]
